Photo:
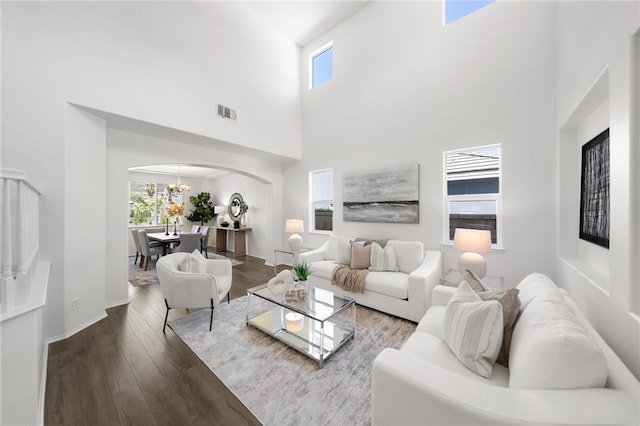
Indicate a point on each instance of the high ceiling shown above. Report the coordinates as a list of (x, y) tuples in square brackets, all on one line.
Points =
[(302, 21)]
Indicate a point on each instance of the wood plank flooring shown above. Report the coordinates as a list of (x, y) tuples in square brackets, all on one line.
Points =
[(124, 371)]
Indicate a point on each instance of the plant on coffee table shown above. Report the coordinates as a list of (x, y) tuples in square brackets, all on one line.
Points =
[(302, 271)]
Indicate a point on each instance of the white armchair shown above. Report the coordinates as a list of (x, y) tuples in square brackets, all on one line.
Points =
[(193, 290)]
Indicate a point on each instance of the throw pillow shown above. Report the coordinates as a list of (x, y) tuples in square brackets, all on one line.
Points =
[(474, 281), (510, 310), (194, 263), (343, 252), (360, 256), (383, 259), (472, 329)]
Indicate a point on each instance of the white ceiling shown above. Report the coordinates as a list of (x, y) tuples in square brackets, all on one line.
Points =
[(301, 20)]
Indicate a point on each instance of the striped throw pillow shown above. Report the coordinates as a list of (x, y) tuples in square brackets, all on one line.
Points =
[(473, 329), (383, 259)]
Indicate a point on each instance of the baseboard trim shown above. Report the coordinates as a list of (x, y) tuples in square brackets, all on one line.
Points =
[(77, 329), (43, 383), (118, 303)]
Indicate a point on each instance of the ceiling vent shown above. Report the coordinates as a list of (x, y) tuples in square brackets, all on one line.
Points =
[(227, 113)]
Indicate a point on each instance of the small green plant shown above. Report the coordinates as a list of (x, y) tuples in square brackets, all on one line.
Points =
[(302, 271)]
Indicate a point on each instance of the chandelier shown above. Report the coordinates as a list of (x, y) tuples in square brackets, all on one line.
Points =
[(179, 187), (173, 207)]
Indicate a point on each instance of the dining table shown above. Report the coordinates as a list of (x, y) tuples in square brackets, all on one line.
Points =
[(165, 238)]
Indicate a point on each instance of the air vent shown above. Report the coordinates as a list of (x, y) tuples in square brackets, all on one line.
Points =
[(227, 113)]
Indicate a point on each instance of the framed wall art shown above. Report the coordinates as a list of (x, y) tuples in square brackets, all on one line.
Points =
[(594, 190), (385, 195)]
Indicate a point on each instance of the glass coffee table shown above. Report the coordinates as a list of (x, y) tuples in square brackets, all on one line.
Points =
[(316, 324)]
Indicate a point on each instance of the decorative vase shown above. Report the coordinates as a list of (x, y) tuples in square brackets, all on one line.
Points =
[(279, 284)]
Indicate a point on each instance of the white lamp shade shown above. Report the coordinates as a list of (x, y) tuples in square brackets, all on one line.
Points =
[(473, 240), (294, 226), (219, 209)]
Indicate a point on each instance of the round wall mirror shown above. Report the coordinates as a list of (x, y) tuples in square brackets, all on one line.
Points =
[(234, 206)]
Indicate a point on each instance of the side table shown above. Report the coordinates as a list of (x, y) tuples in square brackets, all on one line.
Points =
[(453, 277), (293, 253)]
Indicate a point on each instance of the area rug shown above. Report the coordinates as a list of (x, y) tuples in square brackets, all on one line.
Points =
[(280, 385), (140, 277)]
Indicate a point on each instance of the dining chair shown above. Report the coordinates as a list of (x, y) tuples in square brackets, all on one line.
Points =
[(204, 241), (148, 249), (191, 283), (189, 241), (136, 241), (195, 228)]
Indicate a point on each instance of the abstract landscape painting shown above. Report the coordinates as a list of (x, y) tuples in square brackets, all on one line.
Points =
[(385, 195)]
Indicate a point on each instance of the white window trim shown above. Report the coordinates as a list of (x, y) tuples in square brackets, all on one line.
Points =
[(472, 197), (312, 201), (312, 55)]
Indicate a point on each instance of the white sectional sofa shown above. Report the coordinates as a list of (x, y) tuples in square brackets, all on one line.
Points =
[(560, 372), (405, 293)]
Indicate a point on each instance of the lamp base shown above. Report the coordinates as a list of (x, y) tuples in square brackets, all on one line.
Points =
[(473, 262), (295, 242)]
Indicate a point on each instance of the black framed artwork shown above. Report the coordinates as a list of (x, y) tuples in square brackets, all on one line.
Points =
[(594, 190)]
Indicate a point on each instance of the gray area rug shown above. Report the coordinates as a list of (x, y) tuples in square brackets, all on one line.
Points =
[(280, 385)]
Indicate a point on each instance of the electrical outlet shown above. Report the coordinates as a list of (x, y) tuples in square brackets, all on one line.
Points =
[(74, 304)]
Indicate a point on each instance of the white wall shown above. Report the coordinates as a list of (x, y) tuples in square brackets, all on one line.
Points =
[(597, 88), (405, 89), (260, 218), (83, 235), (165, 62)]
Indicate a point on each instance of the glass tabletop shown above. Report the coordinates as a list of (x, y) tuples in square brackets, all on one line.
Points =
[(318, 304)]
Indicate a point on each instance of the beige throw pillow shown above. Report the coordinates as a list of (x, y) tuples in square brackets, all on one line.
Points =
[(360, 256), (510, 310), (472, 329)]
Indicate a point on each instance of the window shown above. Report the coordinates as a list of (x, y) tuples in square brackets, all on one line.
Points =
[(321, 66), (472, 191), (321, 196), (456, 9), (147, 203)]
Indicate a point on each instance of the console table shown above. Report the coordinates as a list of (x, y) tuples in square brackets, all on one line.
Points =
[(239, 241)]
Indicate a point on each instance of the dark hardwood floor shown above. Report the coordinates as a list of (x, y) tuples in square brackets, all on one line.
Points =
[(123, 370)]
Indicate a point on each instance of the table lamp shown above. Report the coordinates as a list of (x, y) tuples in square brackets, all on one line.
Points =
[(472, 242), (219, 210), (294, 226)]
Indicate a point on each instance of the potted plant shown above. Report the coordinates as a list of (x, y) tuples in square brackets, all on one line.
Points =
[(298, 291), (301, 271), (204, 209)]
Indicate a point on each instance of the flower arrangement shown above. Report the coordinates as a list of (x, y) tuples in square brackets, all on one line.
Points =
[(175, 209)]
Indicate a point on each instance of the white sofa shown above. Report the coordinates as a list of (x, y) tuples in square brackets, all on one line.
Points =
[(425, 383), (405, 293)]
